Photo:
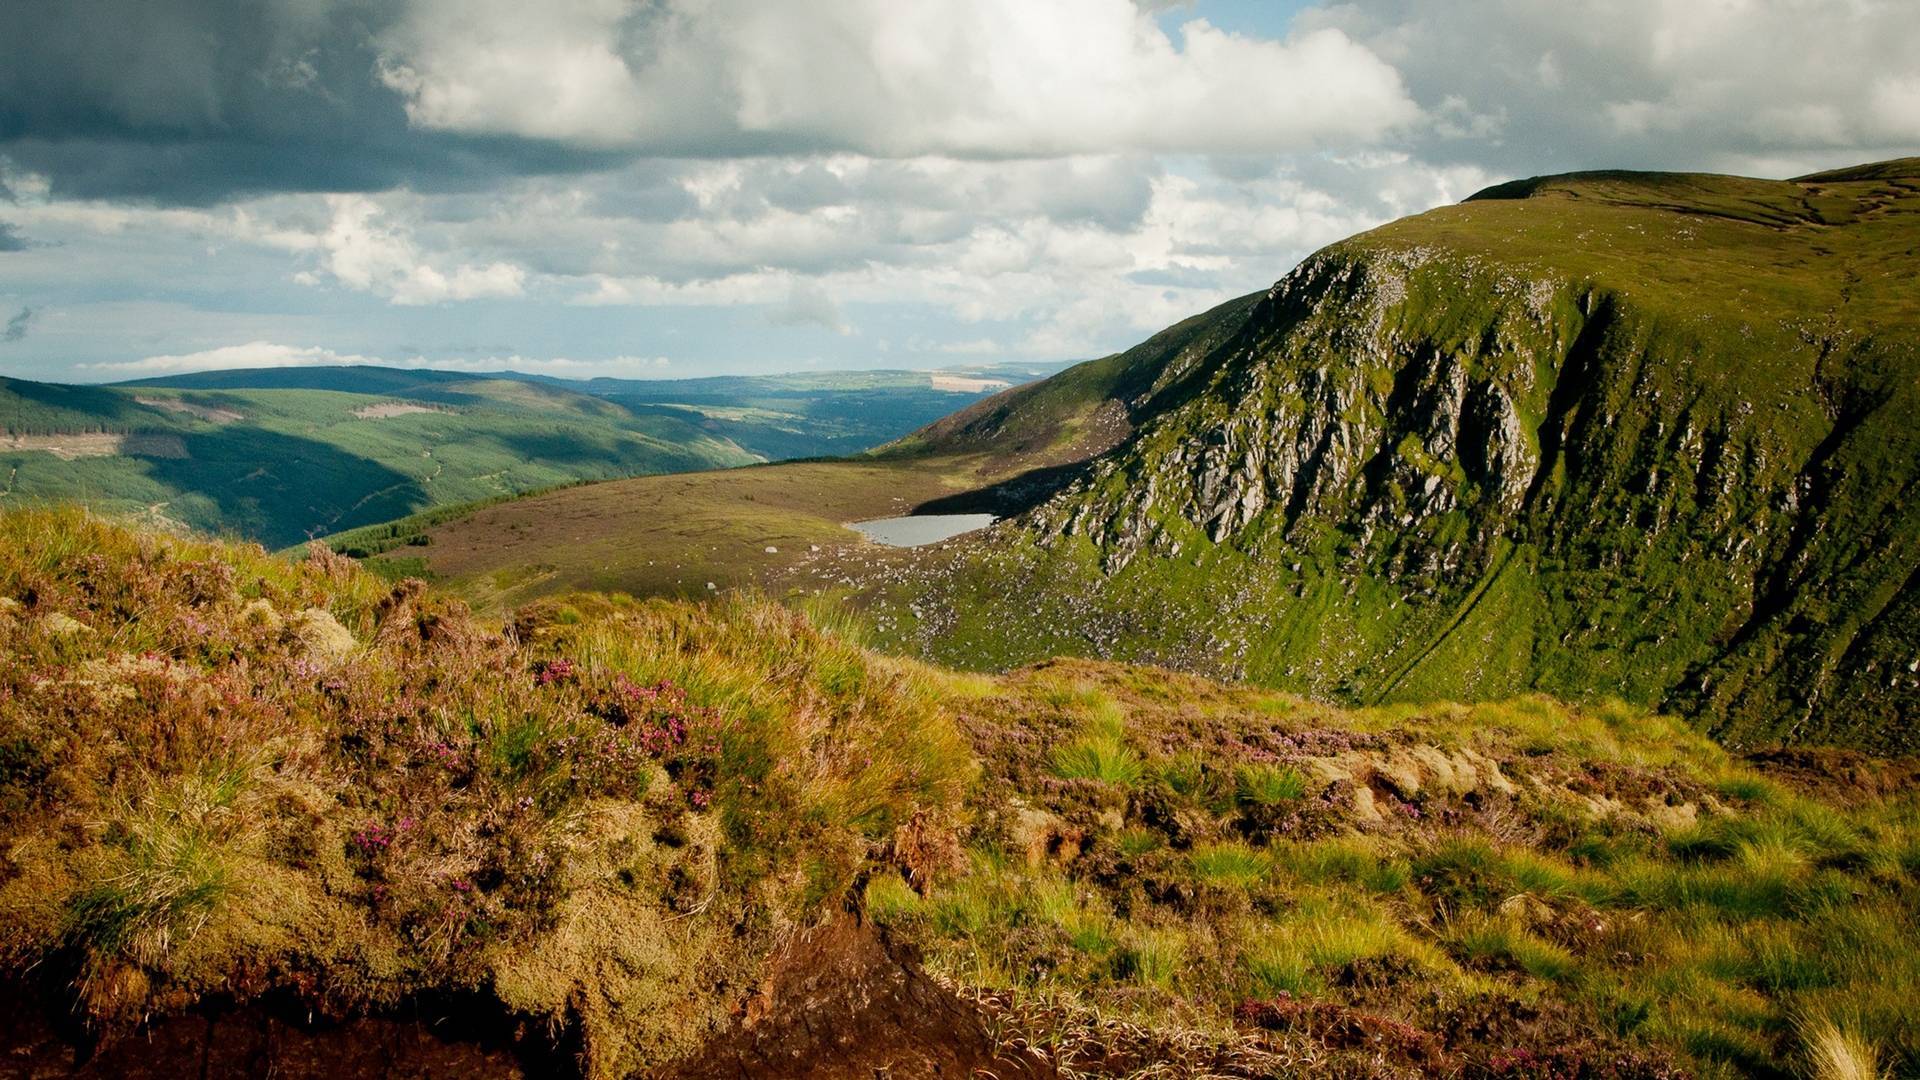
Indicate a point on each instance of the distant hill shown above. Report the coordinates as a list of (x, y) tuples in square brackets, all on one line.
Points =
[(282, 454), (772, 416)]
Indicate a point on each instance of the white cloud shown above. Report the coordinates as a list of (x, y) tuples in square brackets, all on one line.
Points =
[(267, 354), (253, 354), (890, 78), (1686, 84), (364, 252)]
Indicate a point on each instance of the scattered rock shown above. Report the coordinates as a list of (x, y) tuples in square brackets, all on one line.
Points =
[(59, 624)]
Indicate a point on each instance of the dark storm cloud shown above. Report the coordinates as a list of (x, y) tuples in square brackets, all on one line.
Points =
[(17, 326), (194, 101)]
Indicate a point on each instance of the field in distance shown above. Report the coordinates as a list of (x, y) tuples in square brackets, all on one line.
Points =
[(278, 455)]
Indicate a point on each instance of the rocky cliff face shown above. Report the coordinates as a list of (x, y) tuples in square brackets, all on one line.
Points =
[(1612, 438)]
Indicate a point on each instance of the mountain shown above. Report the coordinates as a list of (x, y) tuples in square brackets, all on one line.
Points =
[(282, 454), (1641, 435), (1635, 435), (274, 815)]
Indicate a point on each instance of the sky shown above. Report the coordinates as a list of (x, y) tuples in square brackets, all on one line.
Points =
[(675, 188)]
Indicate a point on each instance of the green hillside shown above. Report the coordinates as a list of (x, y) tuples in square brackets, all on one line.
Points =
[(1637, 434), (280, 455), (684, 535), (775, 417), (280, 465)]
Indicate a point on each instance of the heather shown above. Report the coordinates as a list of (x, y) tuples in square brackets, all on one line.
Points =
[(227, 775), (223, 772)]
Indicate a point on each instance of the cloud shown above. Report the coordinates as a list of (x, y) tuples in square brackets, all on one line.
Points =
[(267, 354), (10, 238), (887, 78), (362, 251), (1532, 88), (196, 101), (17, 326), (253, 354), (808, 304)]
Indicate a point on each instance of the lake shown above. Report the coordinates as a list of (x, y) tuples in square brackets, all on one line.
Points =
[(920, 529)]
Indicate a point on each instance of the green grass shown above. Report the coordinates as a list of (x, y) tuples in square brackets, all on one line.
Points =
[(1270, 785)]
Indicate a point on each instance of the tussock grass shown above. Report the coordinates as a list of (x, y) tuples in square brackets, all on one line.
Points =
[(1229, 865), (1837, 1053), (1271, 785)]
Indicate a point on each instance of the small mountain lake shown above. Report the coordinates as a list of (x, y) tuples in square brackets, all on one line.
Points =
[(920, 529)]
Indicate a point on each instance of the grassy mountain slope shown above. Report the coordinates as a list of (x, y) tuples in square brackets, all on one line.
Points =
[(281, 464), (1638, 434), (773, 416), (228, 776)]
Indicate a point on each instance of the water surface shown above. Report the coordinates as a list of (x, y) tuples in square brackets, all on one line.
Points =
[(920, 529)]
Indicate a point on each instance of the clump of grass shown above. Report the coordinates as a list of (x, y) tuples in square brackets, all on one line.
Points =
[(1837, 1053), (1271, 785), (1099, 758), (1100, 752), (1229, 865), (1154, 956), (1337, 859), (889, 898), (1089, 930), (1298, 954), (1501, 940)]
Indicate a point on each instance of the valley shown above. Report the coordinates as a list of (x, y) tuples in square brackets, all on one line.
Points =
[(281, 455)]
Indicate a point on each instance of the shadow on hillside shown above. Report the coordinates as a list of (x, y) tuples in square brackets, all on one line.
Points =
[(1012, 496), (276, 488)]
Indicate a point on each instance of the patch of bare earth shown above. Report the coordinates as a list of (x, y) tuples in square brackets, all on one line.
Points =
[(847, 1002), (212, 414), (387, 410), (98, 444)]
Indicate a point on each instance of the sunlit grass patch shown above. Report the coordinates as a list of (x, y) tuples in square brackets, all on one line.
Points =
[(1153, 955), (1835, 1052), (1325, 936), (1229, 865), (1271, 785), (1097, 757), (888, 898), (1354, 859), (1502, 940)]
